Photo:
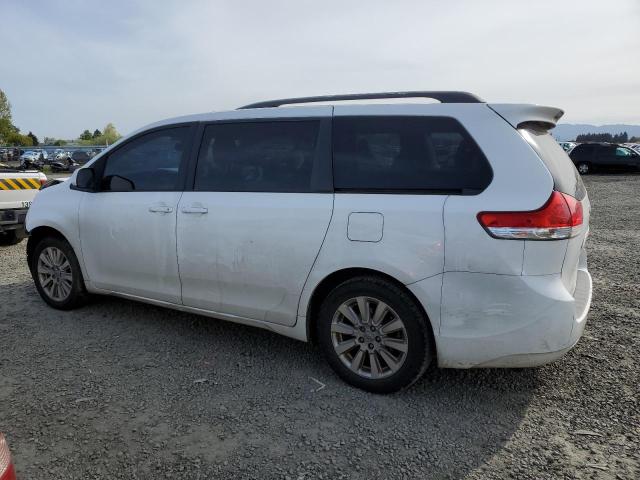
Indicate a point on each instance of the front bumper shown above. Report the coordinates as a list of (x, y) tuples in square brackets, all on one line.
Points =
[(509, 321), (13, 220)]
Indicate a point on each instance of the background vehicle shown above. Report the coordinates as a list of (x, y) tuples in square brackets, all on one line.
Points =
[(634, 146), (589, 157), (7, 471), (327, 223), (30, 160), (80, 157), (30, 154), (567, 146), (17, 191)]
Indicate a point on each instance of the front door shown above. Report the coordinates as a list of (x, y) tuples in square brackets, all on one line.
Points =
[(127, 229), (249, 232)]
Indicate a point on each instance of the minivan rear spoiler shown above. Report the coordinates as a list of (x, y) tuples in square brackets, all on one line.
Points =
[(521, 115)]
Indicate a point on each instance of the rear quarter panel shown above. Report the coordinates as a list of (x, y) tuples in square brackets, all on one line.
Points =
[(520, 182)]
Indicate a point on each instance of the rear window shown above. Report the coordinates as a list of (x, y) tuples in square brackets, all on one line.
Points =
[(407, 154), (565, 176)]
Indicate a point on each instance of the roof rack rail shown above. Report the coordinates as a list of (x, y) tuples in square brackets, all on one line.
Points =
[(442, 96)]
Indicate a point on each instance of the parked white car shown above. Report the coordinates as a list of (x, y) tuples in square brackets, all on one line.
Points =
[(392, 235), (17, 191), (30, 155)]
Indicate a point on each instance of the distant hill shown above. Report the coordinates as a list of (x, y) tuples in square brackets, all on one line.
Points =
[(568, 131)]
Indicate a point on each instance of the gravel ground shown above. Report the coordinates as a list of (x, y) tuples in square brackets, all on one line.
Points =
[(125, 390)]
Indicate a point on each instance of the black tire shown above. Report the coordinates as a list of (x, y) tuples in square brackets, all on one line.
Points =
[(78, 294), (584, 168), (420, 348), (9, 238)]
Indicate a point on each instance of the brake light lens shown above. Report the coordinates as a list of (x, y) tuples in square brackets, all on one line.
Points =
[(560, 218), (6, 467)]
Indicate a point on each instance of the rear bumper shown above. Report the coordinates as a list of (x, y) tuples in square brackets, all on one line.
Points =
[(510, 321)]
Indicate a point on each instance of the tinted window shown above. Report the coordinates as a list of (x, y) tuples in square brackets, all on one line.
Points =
[(407, 154), (258, 157), (605, 150), (582, 150), (147, 163), (566, 178)]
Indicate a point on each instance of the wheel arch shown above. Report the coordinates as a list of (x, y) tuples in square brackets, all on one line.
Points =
[(37, 234), (334, 279)]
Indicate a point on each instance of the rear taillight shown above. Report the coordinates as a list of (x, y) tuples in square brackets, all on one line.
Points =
[(559, 218), (6, 466), (43, 181)]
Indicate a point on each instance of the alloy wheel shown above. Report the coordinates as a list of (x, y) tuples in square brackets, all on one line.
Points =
[(369, 337), (54, 273)]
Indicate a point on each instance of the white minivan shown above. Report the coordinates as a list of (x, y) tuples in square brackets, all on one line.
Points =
[(392, 235)]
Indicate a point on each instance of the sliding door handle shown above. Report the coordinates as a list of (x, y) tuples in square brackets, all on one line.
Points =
[(160, 209), (194, 209)]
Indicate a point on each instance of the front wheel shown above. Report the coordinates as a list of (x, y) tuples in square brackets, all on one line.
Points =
[(57, 275), (374, 335)]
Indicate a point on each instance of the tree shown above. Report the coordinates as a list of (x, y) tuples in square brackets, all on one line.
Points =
[(110, 134), (5, 107), (621, 137), (10, 134), (34, 139), (18, 140), (86, 135), (6, 129), (53, 141)]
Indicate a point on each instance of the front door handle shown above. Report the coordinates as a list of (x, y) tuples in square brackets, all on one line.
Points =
[(194, 209), (160, 209)]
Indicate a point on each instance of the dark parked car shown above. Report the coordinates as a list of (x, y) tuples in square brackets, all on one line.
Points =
[(588, 157)]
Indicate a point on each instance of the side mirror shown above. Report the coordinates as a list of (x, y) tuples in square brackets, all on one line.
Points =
[(85, 180), (120, 184)]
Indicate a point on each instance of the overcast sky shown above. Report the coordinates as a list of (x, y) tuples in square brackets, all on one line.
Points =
[(78, 64)]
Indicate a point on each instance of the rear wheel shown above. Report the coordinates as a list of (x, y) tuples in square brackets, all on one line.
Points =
[(57, 275), (374, 335), (584, 168)]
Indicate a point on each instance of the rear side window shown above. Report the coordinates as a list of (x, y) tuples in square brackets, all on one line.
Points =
[(258, 157), (566, 178), (407, 154), (606, 150)]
